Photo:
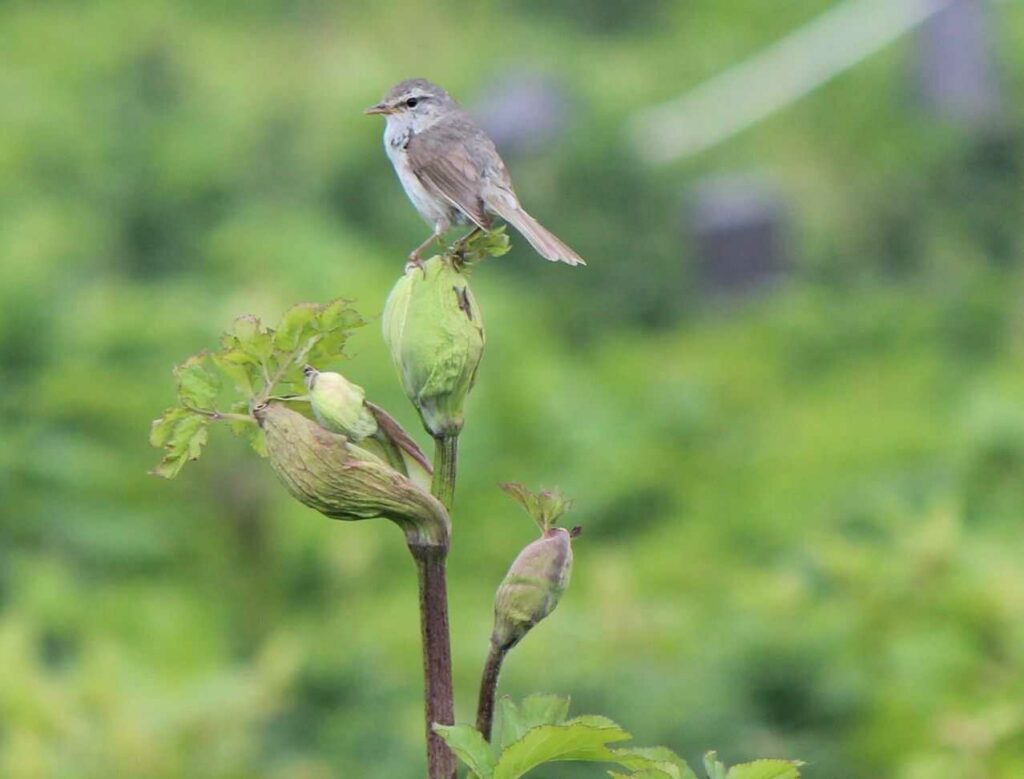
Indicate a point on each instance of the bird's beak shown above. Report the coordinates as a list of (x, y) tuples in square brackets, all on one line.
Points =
[(380, 108)]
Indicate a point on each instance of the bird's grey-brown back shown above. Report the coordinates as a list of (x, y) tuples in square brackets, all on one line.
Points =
[(450, 168)]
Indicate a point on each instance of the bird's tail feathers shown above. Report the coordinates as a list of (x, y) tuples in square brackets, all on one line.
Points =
[(547, 244)]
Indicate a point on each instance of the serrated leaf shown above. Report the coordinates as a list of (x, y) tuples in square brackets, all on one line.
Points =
[(337, 315), (766, 769), (252, 338), (546, 507), (470, 747), (496, 243), (293, 323), (197, 386), (535, 710), (327, 348), (239, 367), (162, 429), (184, 441), (662, 761), (582, 738)]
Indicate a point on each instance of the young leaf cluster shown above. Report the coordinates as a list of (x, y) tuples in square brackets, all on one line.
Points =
[(538, 732), (494, 243), (258, 363), (546, 507)]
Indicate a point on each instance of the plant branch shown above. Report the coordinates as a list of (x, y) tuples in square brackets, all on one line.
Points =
[(446, 453), (437, 657), (217, 416), (489, 690)]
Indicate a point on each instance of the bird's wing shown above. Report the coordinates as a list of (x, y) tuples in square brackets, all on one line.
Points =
[(441, 160)]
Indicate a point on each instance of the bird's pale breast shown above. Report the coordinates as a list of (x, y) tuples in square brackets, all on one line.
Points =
[(431, 208)]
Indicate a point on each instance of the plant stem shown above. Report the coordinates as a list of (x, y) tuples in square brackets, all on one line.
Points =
[(437, 657), (488, 690), (446, 453)]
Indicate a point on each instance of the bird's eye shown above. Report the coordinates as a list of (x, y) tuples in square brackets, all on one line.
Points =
[(411, 102)]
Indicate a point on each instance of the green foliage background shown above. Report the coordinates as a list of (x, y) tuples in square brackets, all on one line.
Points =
[(802, 511)]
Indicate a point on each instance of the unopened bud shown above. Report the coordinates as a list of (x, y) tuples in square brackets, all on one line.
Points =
[(539, 575), (342, 407), (435, 332), (533, 586), (339, 405), (341, 480)]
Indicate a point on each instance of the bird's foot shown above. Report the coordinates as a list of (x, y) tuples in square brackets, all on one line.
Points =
[(415, 262)]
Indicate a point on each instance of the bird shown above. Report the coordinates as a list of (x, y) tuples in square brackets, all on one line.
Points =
[(451, 170)]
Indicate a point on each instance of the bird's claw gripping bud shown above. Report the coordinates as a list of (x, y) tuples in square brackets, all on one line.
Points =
[(341, 480), (539, 574), (433, 327)]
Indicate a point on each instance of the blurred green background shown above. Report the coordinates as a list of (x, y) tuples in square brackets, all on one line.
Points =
[(802, 499)]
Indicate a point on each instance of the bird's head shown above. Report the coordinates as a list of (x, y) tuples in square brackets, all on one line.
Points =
[(414, 102)]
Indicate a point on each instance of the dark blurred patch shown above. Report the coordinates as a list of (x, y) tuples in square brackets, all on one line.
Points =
[(993, 478), (790, 690), (738, 226), (973, 186), (160, 223), (629, 515), (600, 16), (25, 338), (58, 647), (523, 110)]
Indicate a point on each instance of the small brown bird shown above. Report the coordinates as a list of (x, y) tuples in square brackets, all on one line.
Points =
[(451, 171)]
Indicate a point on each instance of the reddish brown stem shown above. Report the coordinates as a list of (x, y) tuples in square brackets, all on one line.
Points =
[(437, 657), (488, 690)]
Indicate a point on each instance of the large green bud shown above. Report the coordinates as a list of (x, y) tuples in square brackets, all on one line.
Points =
[(435, 332), (341, 480), (540, 573)]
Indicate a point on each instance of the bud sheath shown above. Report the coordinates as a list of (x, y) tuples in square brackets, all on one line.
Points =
[(341, 480)]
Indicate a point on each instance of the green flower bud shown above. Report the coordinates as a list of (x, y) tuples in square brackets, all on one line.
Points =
[(539, 575), (339, 405), (436, 335), (341, 480), (532, 587)]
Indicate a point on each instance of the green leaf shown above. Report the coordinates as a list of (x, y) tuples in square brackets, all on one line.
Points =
[(338, 315), (292, 325), (546, 507), (197, 386), (535, 710), (766, 769), (483, 245), (251, 356), (659, 762), (471, 748), (496, 242), (240, 367), (182, 434), (252, 338), (326, 348), (714, 768), (582, 738), (162, 429)]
